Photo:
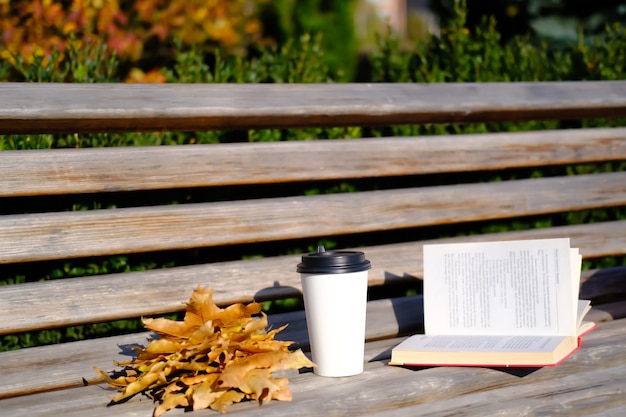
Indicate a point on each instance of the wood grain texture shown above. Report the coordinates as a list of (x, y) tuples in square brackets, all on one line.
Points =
[(612, 412), (382, 389), (48, 380), (90, 399), (591, 377), (55, 367), (28, 307), (67, 171), (606, 311), (47, 368), (78, 108), (606, 284), (577, 394), (34, 237)]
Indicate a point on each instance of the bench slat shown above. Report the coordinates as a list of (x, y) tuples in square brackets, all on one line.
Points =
[(67, 171), (572, 388), (403, 387), (77, 108), (89, 299), (608, 311), (48, 380), (46, 236), (74, 402), (421, 391), (46, 368), (572, 395)]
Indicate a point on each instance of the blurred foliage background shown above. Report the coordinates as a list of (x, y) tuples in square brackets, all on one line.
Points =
[(556, 21), (145, 35), (285, 41)]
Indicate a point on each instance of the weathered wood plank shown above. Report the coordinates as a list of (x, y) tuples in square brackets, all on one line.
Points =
[(92, 399), (66, 171), (47, 368), (71, 108), (613, 412), (27, 307), (35, 237), (578, 390), (608, 311), (53, 367), (578, 394), (383, 388), (586, 383), (607, 284)]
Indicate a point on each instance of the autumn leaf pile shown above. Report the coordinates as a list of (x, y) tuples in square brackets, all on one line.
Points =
[(213, 358)]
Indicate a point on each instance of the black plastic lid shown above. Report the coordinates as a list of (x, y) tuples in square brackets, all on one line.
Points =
[(333, 262)]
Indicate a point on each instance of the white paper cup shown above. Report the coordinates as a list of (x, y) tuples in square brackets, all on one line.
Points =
[(334, 285)]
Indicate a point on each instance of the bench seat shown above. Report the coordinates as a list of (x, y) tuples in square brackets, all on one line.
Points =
[(590, 381), (235, 201)]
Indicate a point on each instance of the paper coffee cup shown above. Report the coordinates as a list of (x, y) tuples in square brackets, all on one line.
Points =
[(334, 285)]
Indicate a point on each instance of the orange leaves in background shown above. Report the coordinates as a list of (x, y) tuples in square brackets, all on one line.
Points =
[(38, 27), (213, 358), (229, 23)]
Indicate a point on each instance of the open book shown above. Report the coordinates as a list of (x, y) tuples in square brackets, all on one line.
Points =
[(509, 303)]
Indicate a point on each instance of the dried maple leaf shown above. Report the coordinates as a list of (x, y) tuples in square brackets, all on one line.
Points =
[(213, 358)]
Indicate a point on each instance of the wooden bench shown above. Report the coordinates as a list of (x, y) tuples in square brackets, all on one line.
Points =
[(242, 199)]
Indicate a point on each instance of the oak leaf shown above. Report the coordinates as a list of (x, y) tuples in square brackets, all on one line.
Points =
[(262, 387), (171, 401), (227, 398), (213, 358)]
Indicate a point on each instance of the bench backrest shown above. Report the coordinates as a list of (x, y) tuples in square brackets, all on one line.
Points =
[(246, 198)]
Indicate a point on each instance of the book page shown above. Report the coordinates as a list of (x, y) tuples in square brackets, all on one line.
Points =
[(526, 351), (576, 265), (481, 343), (583, 307), (499, 288)]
